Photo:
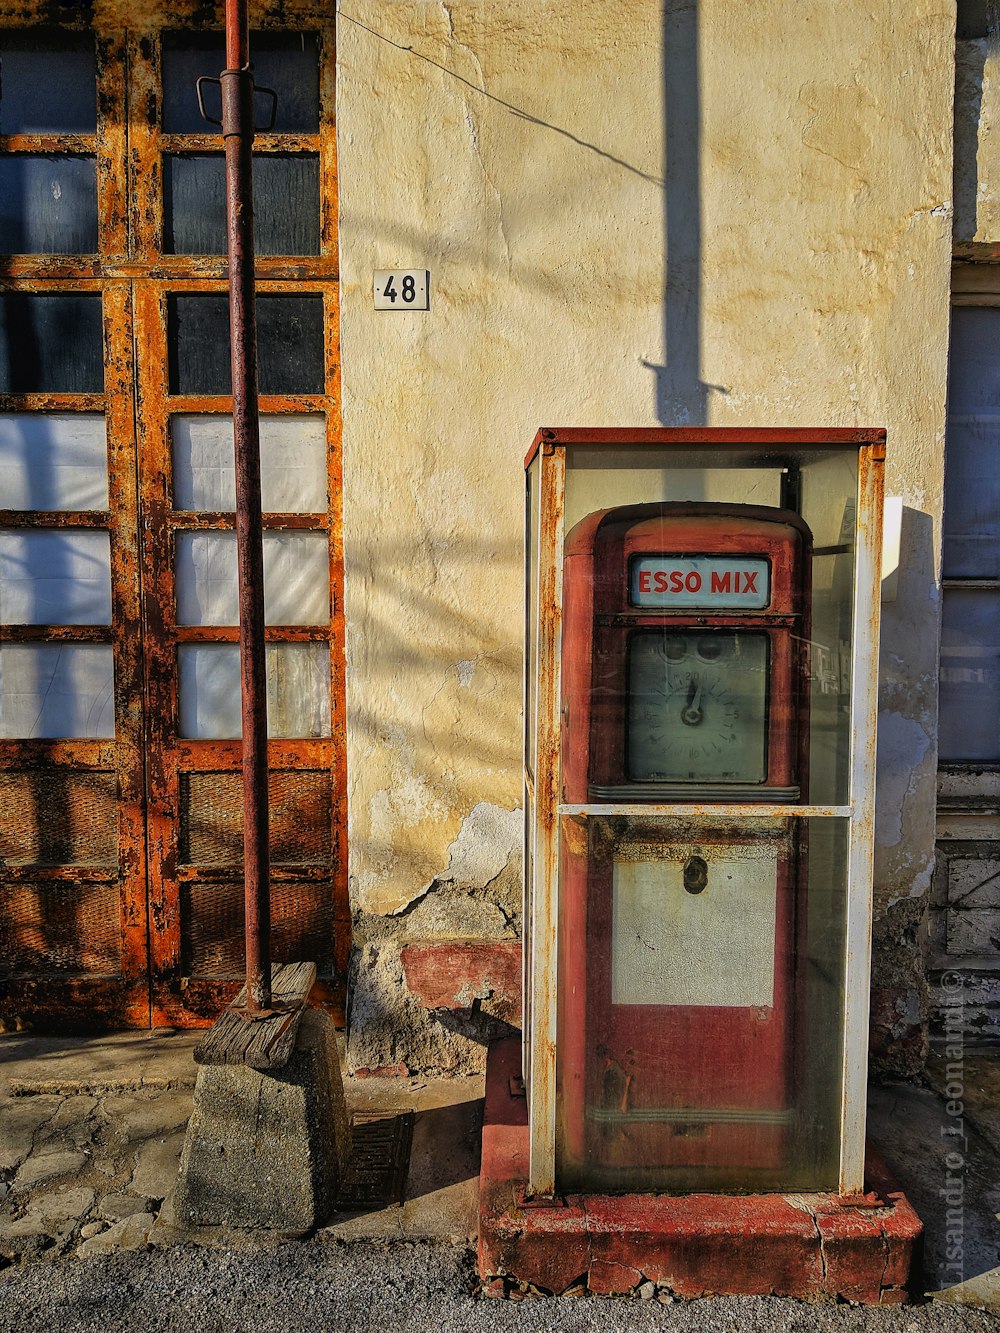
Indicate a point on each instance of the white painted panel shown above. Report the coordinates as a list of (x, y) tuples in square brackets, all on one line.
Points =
[(293, 477), (298, 690), (56, 690), (53, 460), (55, 577), (296, 578), (716, 947)]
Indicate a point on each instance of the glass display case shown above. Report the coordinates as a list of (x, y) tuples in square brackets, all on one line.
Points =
[(700, 699)]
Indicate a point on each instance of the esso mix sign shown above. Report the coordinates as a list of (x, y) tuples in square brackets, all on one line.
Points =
[(700, 582)]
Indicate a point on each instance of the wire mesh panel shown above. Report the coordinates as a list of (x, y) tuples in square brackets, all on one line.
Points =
[(52, 928), (211, 818), (212, 927), (51, 816)]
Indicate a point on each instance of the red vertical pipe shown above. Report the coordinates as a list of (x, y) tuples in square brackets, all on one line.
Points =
[(237, 130)]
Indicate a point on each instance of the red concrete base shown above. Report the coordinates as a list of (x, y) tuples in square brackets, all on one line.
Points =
[(806, 1245)]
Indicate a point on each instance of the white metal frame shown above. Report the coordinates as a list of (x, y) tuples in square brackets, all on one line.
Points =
[(861, 846)]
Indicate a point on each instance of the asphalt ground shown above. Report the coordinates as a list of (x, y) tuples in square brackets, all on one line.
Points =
[(372, 1287)]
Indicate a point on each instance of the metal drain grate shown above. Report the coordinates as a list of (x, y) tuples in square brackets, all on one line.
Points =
[(380, 1157)]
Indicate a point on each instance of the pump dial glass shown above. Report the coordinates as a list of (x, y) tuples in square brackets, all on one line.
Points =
[(697, 706)]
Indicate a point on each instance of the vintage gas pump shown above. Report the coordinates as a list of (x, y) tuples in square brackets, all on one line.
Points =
[(685, 672), (700, 691)]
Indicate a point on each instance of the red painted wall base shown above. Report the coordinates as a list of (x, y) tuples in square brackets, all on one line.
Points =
[(805, 1245)]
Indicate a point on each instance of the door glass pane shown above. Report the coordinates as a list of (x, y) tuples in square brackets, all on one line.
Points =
[(48, 205), (298, 690), (289, 344), (970, 675), (51, 344), (296, 578), (285, 61), (50, 690), (285, 204), (48, 83), (53, 461), (293, 477), (55, 578)]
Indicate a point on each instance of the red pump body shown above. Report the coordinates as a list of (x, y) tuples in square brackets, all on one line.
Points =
[(684, 683)]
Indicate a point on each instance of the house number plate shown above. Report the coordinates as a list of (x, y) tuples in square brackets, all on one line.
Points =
[(402, 289)]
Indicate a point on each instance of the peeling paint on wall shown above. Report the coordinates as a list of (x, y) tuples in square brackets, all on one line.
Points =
[(902, 744)]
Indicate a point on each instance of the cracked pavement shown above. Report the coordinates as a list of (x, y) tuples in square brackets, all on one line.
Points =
[(88, 1155)]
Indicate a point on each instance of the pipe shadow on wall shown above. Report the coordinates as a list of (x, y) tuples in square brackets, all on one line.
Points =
[(680, 393)]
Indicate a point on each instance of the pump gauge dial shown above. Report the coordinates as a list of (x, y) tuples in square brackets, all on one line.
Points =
[(697, 706)]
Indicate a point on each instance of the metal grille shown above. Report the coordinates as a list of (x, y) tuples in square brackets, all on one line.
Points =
[(58, 928), (379, 1161), (53, 816), (212, 927), (301, 805)]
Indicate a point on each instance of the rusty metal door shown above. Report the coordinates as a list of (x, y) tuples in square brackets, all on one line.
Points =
[(120, 793)]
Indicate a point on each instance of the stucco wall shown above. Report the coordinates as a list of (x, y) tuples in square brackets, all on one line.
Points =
[(729, 215)]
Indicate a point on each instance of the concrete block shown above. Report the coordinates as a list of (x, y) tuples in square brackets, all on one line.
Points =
[(266, 1150)]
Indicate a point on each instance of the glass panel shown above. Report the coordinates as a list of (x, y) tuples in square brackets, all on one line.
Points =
[(293, 476), (829, 485), (701, 994), (603, 478), (50, 690), (53, 461), (970, 676), (682, 710), (51, 344), (298, 690), (697, 706), (285, 204), (48, 205), (285, 61), (296, 578), (55, 578), (48, 83), (972, 490), (289, 347), (972, 497), (531, 611)]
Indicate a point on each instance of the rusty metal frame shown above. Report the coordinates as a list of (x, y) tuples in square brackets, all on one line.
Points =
[(541, 925), (134, 277)]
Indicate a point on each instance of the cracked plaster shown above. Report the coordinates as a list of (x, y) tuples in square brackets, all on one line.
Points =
[(809, 211)]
